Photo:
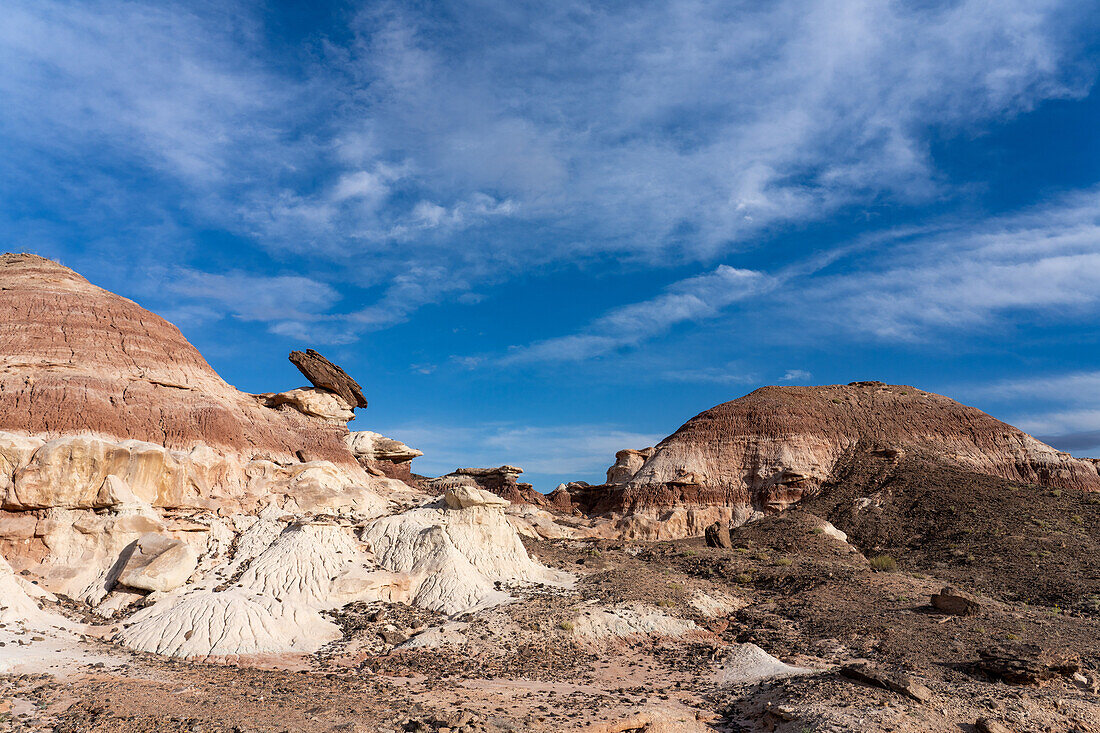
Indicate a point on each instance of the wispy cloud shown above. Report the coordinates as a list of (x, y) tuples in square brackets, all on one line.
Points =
[(1041, 263), (691, 299), (796, 375), (672, 130), (1060, 409)]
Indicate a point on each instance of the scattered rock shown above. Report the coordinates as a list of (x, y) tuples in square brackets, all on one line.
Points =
[(892, 680), (952, 601), (987, 725), (393, 637), (1027, 664)]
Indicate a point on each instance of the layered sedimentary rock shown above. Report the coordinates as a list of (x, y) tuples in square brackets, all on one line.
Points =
[(777, 445), (75, 358), (134, 480), (627, 463)]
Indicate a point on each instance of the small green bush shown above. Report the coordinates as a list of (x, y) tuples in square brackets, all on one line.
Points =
[(884, 563), (836, 401), (743, 578), (784, 562), (566, 626), (819, 530), (1077, 519)]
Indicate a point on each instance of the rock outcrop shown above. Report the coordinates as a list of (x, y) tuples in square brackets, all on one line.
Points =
[(627, 463), (383, 456), (773, 447)]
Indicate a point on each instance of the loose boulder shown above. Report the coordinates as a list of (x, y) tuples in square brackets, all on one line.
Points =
[(955, 602), (892, 680), (718, 535), (158, 563)]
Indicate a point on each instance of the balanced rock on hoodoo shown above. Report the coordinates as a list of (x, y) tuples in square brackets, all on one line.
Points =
[(778, 445), (326, 375)]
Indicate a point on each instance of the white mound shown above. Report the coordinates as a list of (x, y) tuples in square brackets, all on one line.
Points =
[(632, 620), (748, 663), (227, 623), (18, 607), (456, 557), (302, 564), (716, 604)]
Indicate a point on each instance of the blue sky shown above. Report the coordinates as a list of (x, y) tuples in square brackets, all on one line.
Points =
[(540, 232)]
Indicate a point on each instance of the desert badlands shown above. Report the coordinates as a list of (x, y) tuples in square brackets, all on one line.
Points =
[(178, 555)]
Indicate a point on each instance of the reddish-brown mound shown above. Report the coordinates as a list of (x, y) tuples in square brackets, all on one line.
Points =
[(75, 358), (777, 445)]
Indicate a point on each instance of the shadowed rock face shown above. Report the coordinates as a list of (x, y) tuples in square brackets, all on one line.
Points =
[(75, 358), (777, 445)]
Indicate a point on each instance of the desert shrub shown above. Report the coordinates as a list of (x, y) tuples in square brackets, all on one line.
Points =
[(743, 578), (784, 562), (884, 563), (566, 626), (819, 530), (1077, 519)]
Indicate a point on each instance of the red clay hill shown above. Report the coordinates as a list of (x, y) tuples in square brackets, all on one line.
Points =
[(778, 445)]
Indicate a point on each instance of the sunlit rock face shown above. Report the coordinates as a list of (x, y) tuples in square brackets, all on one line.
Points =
[(773, 447)]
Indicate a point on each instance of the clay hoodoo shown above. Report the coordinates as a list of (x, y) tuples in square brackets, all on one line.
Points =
[(777, 445), (136, 482)]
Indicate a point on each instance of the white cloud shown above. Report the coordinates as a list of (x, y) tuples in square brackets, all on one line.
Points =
[(1041, 264), (796, 375), (292, 305), (709, 375), (1058, 407), (660, 132), (691, 299)]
